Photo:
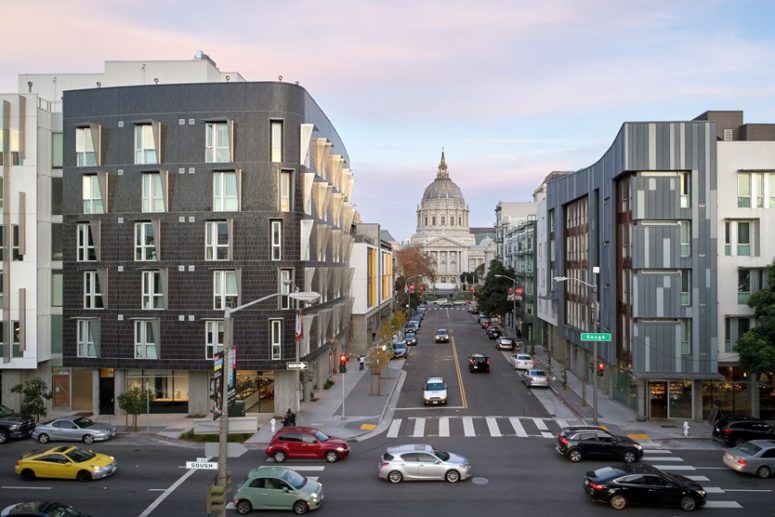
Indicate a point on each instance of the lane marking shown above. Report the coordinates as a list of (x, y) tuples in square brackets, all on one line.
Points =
[(657, 451), (664, 458), (698, 478), (517, 425), (167, 493), (26, 487), (419, 428), (444, 426), (394, 426), (157, 489), (675, 467), (468, 426), (540, 424), (722, 504), (307, 468), (637, 436), (425, 408), (562, 423), (713, 489), (492, 426), (745, 490), (459, 375)]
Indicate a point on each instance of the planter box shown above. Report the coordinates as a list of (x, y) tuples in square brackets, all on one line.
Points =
[(243, 424)]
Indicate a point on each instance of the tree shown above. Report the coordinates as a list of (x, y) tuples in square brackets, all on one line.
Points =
[(34, 394), (377, 360), (133, 402), (757, 346), (391, 327), (493, 294)]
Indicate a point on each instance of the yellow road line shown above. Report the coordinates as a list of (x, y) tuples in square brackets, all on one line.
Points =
[(459, 374)]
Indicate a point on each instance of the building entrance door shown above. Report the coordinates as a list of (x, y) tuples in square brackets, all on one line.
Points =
[(658, 395), (60, 384), (107, 391)]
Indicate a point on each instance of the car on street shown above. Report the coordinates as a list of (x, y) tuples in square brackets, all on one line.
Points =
[(277, 488), (734, 431), (522, 362), (41, 509), (441, 336), (417, 322), (505, 343), (410, 338), (422, 462), (65, 462), (583, 442), (493, 332), (306, 443), (411, 326), (756, 457), (435, 392), (478, 363), (73, 429), (533, 377), (13, 425), (642, 484), (400, 349), (484, 322)]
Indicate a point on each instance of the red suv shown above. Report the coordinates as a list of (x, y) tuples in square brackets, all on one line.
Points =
[(306, 443)]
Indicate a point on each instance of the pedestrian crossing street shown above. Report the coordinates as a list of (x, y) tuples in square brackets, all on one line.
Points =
[(472, 426)]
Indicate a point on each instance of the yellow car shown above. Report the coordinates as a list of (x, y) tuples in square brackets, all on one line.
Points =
[(65, 462)]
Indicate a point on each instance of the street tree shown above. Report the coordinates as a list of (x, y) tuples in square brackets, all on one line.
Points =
[(757, 346), (389, 328), (34, 393), (412, 262), (492, 296), (133, 402), (378, 360)]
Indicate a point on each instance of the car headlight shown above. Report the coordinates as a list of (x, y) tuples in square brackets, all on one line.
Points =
[(701, 492), (340, 449), (638, 446), (14, 427), (314, 497)]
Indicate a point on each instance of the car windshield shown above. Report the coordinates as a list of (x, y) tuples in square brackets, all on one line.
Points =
[(323, 437), (538, 373), (442, 455), (294, 479), (749, 448), (441, 331), (523, 357), (78, 455), (83, 423), (409, 335), (434, 386)]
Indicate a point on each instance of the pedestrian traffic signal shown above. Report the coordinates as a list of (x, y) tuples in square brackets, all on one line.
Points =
[(216, 498), (600, 369), (343, 363)]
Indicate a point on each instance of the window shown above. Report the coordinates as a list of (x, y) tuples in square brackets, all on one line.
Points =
[(16, 251), (685, 189), (460, 221), (771, 188), (686, 287), (734, 328), (84, 147), (277, 240), (145, 145), (433, 220), (217, 143), (86, 250), (153, 194), (758, 189), (56, 196), (686, 234), (743, 190), (743, 239), (276, 333), (56, 287), (286, 281), (217, 241), (92, 195), (145, 241), (56, 150), (92, 293), (442, 220), (145, 340), (284, 191), (153, 294), (426, 220), (276, 144), (86, 338), (225, 293), (739, 238), (743, 286), (727, 238), (225, 198), (686, 337), (214, 336)]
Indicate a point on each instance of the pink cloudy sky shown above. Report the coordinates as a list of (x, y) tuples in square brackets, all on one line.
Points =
[(511, 89)]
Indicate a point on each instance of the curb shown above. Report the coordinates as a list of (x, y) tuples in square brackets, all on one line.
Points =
[(567, 404), (388, 405)]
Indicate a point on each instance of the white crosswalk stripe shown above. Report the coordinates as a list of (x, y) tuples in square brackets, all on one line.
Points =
[(419, 427), (517, 425), (492, 426), (473, 426), (468, 426), (395, 425), (444, 426)]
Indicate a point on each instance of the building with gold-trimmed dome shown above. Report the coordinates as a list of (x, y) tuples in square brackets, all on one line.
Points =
[(443, 231)]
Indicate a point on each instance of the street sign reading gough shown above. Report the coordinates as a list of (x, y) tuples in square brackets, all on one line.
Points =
[(203, 465), (595, 336)]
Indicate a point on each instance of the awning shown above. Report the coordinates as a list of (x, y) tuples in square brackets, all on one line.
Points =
[(678, 376)]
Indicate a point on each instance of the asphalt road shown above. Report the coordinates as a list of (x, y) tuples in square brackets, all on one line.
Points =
[(492, 419)]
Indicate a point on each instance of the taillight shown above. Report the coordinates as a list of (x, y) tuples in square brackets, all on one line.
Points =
[(596, 486), (17, 462), (741, 462), (470, 361), (384, 464), (563, 440), (727, 430), (488, 362)]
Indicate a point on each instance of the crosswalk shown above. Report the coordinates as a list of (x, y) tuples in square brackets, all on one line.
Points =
[(473, 426)]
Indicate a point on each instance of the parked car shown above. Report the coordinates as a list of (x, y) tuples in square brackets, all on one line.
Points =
[(422, 462), (411, 326), (522, 362), (484, 322), (505, 343), (73, 429), (415, 322), (642, 484), (400, 349), (493, 332), (65, 462), (478, 363), (734, 431), (577, 443), (754, 457), (13, 425), (306, 443), (533, 377), (480, 318), (442, 336), (410, 338), (277, 488), (41, 509), (435, 391)]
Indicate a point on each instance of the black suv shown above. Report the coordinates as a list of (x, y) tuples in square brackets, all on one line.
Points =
[(478, 363), (493, 332), (734, 431), (577, 443), (13, 425), (642, 484)]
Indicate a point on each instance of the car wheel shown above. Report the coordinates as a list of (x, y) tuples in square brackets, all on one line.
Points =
[(28, 475), (574, 455), (618, 502), (629, 456), (688, 503), (763, 472), (452, 476), (83, 475), (300, 507), (43, 438), (395, 476), (331, 456), (88, 439), (244, 507), (3, 437), (279, 456)]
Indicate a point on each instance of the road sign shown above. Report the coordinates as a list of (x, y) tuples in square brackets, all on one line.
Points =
[(296, 366), (202, 465), (595, 336)]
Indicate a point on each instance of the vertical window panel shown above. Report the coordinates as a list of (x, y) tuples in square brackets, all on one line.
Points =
[(276, 144)]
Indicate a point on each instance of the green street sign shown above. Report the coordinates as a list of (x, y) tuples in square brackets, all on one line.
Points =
[(595, 336)]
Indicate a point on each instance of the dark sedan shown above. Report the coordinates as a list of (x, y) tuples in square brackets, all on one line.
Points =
[(642, 484), (478, 363), (577, 443), (734, 431), (494, 332), (410, 339)]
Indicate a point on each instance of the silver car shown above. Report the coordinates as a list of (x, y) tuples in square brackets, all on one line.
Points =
[(533, 377), (74, 428), (754, 457), (422, 462)]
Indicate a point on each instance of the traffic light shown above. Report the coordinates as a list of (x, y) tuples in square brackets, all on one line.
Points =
[(343, 363), (600, 369), (216, 498)]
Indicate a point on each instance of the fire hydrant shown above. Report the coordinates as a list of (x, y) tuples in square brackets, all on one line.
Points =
[(686, 428), (273, 425)]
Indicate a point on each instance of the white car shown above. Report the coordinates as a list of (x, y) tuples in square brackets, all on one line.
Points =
[(435, 392), (533, 377), (522, 362)]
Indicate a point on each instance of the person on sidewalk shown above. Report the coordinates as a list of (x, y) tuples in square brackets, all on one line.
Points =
[(361, 361), (290, 418)]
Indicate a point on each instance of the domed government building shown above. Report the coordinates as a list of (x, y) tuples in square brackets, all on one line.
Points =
[(443, 231)]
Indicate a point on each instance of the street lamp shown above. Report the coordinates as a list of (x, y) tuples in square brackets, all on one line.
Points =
[(513, 301), (596, 309), (304, 296), (409, 294)]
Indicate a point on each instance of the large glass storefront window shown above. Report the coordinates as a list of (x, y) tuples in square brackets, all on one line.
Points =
[(670, 399), (767, 396), (169, 389), (729, 396), (256, 389)]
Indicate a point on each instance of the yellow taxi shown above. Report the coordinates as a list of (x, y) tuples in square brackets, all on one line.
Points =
[(65, 462)]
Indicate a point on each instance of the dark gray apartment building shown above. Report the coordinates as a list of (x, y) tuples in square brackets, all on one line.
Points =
[(180, 201)]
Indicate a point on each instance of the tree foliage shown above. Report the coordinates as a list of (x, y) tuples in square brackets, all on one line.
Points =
[(133, 402), (412, 261), (492, 296), (757, 346), (34, 396)]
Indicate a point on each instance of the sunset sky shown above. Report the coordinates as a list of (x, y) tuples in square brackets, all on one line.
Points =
[(511, 89)]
